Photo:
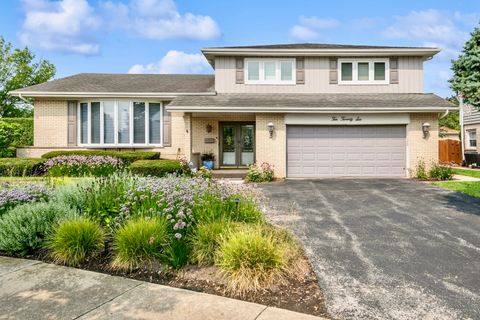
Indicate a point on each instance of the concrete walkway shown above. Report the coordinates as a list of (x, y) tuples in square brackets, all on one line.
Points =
[(36, 290)]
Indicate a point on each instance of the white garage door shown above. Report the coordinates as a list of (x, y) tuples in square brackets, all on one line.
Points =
[(331, 151)]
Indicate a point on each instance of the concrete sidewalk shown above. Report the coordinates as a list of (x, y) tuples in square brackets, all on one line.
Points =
[(36, 290)]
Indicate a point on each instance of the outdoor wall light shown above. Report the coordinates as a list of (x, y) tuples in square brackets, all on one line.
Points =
[(209, 128), (425, 129), (270, 127)]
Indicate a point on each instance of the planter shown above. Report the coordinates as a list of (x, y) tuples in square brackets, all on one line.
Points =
[(208, 164)]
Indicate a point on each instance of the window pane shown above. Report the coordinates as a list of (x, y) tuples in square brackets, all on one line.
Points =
[(379, 68), (363, 71), (95, 122), (84, 123), (108, 124), (346, 71), (286, 68), (253, 70), (139, 122), (270, 71), (123, 122), (154, 122)]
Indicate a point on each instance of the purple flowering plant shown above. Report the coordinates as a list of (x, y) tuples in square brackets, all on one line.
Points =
[(11, 196), (79, 166)]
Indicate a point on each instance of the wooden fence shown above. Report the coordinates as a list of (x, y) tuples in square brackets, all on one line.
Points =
[(449, 151)]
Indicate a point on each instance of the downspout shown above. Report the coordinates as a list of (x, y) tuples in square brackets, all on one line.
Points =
[(23, 99), (462, 138)]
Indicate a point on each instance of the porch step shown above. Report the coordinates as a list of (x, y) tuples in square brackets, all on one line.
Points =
[(229, 173)]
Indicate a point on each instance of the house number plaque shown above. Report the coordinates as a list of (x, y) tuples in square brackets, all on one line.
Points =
[(209, 140), (345, 118)]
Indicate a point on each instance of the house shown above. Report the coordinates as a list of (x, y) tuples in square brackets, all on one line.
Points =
[(311, 110), (470, 119)]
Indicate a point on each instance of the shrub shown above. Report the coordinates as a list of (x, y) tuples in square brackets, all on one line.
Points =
[(12, 197), (204, 173), (20, 167), (263, 173), (24, 228), (75, 240), (421, 171), (126, 156), (157, 168), (251, 260), (15, 132), (207, 238), (81, 166), (441, 173), (140, 240)]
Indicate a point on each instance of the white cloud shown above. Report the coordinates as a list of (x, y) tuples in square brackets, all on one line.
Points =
[(175, 62), (160, 19), (65, 26), (431, 28), (308, 28)]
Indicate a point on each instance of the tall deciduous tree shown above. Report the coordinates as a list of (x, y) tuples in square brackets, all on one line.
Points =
[(466, 71), (19, 69)]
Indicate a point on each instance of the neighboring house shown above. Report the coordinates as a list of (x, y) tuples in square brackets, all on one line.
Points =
[(471, 131), (449, 134), (311, 110)]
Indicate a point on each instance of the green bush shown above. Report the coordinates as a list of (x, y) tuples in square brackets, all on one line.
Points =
[(15, 132), (421, 171), (24, 228), (75, 240), (127, 156), (442, 173), (251, 259), (206, 240), (157, 168), (20, 167), (138, 241), (263, 173)]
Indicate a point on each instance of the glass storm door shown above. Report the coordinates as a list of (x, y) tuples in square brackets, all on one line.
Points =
[(237, 144)]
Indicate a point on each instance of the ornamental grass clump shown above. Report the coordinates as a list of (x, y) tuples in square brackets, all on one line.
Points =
[(251, 260), (207, 238), (139, 241), (75, 240), (11, 197), (81, 166), (24, 228)]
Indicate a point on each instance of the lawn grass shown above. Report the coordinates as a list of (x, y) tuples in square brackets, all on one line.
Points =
[(470, 173), (46, 180), (471, 188)]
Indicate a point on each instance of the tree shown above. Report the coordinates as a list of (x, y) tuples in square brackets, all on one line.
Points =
[(452, 119), (466, 71), (18, 69)]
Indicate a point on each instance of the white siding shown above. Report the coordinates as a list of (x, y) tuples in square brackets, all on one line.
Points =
[(316, 79)]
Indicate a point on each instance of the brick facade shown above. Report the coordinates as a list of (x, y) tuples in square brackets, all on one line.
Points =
[(418, 147)]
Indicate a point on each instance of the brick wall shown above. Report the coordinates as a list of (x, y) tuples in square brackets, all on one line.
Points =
[(418, 147), (272, 150)]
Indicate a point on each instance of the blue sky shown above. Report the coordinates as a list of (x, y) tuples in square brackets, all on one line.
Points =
[(165, 36)]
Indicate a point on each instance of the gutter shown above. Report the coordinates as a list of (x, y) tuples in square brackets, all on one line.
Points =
[(23, 99), (249, 109), (172, 95)]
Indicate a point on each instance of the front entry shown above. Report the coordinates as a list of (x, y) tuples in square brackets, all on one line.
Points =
[(237, 144)]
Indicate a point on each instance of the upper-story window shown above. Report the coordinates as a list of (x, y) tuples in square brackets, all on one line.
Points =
[(269, 71), (363, 71), (472, 138), (120, 123)]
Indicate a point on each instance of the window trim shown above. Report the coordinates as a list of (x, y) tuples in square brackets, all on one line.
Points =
[(278, 77), (116, 144), (371, 71), (469, 140)]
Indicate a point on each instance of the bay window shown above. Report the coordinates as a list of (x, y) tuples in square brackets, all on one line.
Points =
[(120, 123), (269, 71), (363, 71)]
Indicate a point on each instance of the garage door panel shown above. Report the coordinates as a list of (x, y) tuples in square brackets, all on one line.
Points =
[(323, 151)]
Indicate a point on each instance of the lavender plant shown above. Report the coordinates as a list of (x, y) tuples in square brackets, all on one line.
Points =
[(79, 166), (11, 197)]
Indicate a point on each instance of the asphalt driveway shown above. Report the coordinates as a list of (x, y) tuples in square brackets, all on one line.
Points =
[(386, 249)]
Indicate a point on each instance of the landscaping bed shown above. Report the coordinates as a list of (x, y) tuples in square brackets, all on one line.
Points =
[(184, 231)]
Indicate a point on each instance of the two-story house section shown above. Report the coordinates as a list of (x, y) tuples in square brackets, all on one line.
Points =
[(471, 132), (311, 110)]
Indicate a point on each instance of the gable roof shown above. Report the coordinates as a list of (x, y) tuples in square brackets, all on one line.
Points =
[(101, 84), (312, 103)]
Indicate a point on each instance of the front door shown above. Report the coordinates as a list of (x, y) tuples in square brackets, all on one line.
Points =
[(237, 144)]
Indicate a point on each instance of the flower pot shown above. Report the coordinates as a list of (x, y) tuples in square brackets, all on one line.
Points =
[(208, 164)]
